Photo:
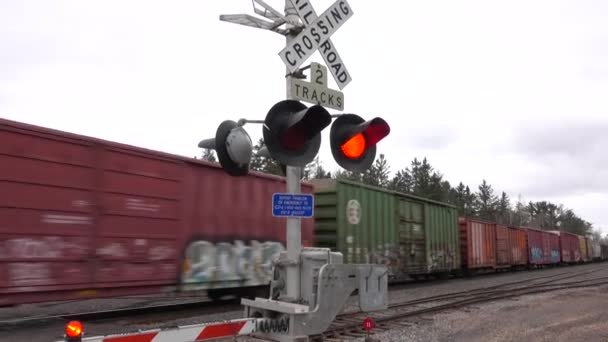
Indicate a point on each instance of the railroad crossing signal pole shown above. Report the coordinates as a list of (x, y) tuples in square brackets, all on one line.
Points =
[(293, 174)]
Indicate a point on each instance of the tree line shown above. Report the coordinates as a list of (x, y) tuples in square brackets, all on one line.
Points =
[(422, 180)]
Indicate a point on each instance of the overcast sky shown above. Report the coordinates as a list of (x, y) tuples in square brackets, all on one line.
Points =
[(515, 92)]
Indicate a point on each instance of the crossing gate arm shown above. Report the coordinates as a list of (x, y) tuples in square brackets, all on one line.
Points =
[(186, 333)]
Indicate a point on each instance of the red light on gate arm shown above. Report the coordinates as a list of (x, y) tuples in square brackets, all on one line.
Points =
[(368, 324), (354, 147), (73, 329)]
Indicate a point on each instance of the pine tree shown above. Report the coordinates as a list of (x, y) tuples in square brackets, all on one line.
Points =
[(402, 181), (257, 162), (486, 201), (570, 222), (436, 187), (504, 209), (348, 175), (460, 198), (315, 170), (377, 175), (421, 175), (469, 202), (446, 194), (544, 214), (264, 164)]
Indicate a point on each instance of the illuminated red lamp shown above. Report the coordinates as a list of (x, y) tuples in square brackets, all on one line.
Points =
[(353, 141), (73, 331), (354, 147)]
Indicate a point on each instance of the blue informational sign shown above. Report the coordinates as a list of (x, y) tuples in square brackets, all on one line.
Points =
[(292, 205)]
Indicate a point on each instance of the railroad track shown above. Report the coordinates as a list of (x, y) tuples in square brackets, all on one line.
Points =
[(481, 290), (141, 311), (348, 326), (145, 313)]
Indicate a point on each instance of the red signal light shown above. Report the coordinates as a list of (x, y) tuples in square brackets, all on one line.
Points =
[(73, 329), (353, 141), (354, 147)]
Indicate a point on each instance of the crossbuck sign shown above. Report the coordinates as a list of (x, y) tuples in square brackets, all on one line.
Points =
[(316, 35)]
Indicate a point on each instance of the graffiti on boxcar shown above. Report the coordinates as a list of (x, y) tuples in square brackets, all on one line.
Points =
[(161, 253), (554, 255), (388, 256), (141, 205), (29, 274), (440, 259), (206, 262), (66, 219), (38, 247), (142, 249), (113, 249), (537, 253), (517, 254)]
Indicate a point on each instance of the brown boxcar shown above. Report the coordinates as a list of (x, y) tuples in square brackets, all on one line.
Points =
[(83, 217), (554, 249), (518, 246), (569, 247), (582, 245), (477, 243), (543, 247), (503, 246)]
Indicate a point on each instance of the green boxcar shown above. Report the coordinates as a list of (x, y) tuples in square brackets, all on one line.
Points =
[(411, 235)]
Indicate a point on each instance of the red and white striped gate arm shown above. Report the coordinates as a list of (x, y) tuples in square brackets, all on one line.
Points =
[(189, 333)]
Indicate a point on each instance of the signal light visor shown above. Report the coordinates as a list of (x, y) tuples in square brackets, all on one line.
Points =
[(376, 130)]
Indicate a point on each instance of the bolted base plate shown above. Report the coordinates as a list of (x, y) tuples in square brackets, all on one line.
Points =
[(288, 322)]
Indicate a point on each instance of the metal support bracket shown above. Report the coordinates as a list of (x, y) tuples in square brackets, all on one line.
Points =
[(324, 294)]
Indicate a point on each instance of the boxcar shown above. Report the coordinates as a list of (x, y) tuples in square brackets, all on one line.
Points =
[(83, 217), (604, 252), (554, 249), (517, 246), (503, 250), (594, 249), (582, 243), (478, 243), (569, 246), (413, 236), (543, 247)]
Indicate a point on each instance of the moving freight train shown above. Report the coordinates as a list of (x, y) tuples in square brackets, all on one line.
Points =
[(82, 217)]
